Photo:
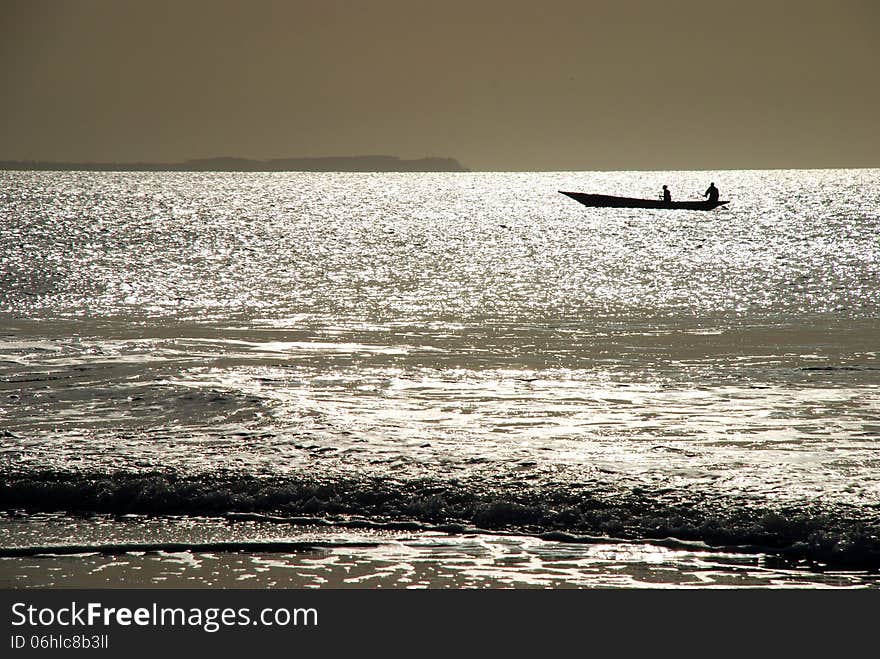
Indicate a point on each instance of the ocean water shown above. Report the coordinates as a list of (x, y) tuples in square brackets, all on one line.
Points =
[(438, 380)]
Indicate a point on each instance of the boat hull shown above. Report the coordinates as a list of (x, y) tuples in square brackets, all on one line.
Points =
[(608, 201)]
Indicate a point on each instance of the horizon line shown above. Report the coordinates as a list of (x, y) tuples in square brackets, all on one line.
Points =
[(186, 165)]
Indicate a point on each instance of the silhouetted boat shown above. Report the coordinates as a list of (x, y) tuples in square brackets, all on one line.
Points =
[(608, 201)]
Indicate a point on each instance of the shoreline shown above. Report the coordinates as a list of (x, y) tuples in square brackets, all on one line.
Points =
[(339, 558)]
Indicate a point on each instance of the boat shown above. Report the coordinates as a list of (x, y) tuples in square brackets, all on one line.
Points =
[(609, 201)]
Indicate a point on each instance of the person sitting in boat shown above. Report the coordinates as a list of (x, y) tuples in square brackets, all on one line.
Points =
[(667, 196), (712, 192)]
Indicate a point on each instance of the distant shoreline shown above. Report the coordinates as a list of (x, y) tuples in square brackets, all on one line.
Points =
[(365, 164), (323, 164)]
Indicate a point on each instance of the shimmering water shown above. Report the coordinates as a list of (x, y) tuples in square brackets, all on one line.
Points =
[(466, 349)]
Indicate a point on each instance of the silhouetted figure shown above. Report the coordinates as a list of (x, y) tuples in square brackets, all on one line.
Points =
[(667, 196), (712, 192)]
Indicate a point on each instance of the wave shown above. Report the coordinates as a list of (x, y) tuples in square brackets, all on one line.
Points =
[(840, 368), (273, 546), (808, 537)]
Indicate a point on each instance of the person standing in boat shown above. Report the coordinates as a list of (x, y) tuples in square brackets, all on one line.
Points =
[(667, 196), (712, 193)]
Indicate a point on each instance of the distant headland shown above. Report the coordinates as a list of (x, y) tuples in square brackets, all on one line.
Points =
[(324, 164)]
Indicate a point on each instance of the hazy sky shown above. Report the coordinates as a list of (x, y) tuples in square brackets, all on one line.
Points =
[(513, 85)]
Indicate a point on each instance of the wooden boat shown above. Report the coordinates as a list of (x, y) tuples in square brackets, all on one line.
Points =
[(608, 201)]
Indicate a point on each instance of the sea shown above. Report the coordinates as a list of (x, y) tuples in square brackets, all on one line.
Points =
[(438, 380)]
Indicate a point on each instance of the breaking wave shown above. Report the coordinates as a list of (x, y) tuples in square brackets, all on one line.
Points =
[(813, 537)]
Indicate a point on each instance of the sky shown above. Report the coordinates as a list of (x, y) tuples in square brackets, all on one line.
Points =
[(554, 85)]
